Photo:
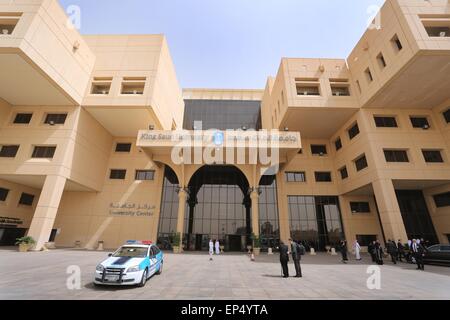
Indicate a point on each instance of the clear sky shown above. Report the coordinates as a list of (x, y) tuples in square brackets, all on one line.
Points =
[(234, 43)]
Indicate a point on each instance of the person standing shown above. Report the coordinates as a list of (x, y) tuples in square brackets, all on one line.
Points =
[(357, 249), (211, 249), (400, 250), (296, 252), (379, 253), (284, 259), (371, 249), (217, 245), (344, 250), (418, 252), (392, 250)]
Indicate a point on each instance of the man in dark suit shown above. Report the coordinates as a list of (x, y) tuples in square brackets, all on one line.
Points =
[(418, 252), (296, 256), (284, 259), (401, 250)]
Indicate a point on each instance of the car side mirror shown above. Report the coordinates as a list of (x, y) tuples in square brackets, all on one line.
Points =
[(110, 254)]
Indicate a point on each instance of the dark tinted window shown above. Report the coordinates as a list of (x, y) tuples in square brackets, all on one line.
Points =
[(361, 163), (447, 116), (26, 199), (117, 174), (442, 200), (344, 173), (123, 147), (8, 151), (295, 177), (23, 118), (3, 194), (386, 122), (43, 152), (318, 149), (338, 144), (360, 207), (323, 176), (420, 122), (353, 131), (396, 156), (365, 239), (56, 118), (432, 156), (145, 175)]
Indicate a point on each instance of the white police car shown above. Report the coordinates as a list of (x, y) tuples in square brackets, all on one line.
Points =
[(132, 264)]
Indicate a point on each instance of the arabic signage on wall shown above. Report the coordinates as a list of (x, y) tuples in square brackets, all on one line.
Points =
[(131, 209), (10, 222)]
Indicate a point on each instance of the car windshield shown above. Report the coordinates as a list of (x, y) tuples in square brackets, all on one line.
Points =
[(135, 252)]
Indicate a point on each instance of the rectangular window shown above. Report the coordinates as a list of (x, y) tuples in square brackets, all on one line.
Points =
[(295, 176), (340, 87), (133, 85), (360, 207), (8, 22), (368, 74), (8, 151), (323, 176), (436, 25), (318, 149), (365, 239), (3, 194), (396, 155), (353, 131), (396, 43), (101, 85), (55, 118), (338, 144), (344, 173), (442, 31), (446, 115), (361, 163), (420, 122), (26, 199), (23, 118), (123, 147), (43, 152), (432, 156), (307, 86), (442, 200), (381, 61), (142, 175), (118, 174), (385, 122)]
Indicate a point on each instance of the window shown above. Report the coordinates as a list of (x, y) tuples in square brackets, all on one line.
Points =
[(340, 87), (353, 131), (344, 173), (396, 43), (101, 85), (368, 74), (142, 175), (442, 31), (118, 174), (123, 147), (323, 176), (442, 200), (43, 152), (8, 151), (133, 85), (436, 25), (360, 207), (55, 118), (23, 118), (318, 149), (3, 194), (381, 61), (361, 163), (295, 177), (385, 122), (432, 156), (446, 115), (308, 86), (365, 239), (8, 22), (338, 144), (420, 122), (396, 155), (26, 199)]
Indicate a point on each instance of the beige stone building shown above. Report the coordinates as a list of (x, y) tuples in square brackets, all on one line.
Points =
[(359, 148)]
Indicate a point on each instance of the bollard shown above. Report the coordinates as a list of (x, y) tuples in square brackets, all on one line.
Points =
[(270, 251), (333, 252), (313, 252), (100, 246)]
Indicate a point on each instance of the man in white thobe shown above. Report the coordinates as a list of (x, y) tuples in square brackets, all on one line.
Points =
[(357, 249), (217, 247), (211, 249)]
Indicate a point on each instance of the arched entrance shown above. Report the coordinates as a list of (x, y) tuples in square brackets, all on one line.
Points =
[(218, 207)]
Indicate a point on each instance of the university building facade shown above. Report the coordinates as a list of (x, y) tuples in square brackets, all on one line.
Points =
[(89, 125)]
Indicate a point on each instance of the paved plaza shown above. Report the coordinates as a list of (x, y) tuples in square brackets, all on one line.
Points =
[(190, 276)]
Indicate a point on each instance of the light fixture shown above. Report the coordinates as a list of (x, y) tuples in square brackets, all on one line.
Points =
[(426, 127), (151, 127), (52, 123), (244, 128), (321, 154), (286, 129)]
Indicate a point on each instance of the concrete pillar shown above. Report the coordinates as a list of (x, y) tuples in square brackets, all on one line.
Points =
[(390, 215), (46, 210), (283, 209), (182, 197), (255, 212)]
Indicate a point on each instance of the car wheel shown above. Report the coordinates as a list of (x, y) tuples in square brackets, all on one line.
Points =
[(160, 268), (144, 279)]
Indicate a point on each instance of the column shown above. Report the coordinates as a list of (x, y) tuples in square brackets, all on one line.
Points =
[(46, 210), (182, 197), (248, 219), (390, 215), (192, 203), (254, 195)]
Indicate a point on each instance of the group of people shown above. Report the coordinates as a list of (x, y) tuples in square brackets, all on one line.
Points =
[(297, 250), (213, 245)]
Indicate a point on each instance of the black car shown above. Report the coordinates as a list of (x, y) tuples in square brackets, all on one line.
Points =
[(438, 254)]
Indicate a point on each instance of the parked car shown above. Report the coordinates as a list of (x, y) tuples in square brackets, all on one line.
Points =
[(437, 254)]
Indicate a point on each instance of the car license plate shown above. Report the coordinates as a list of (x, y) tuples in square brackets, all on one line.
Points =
[(112, 278)]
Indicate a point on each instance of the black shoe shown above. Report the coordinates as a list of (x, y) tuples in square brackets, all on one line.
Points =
[(298, 276)]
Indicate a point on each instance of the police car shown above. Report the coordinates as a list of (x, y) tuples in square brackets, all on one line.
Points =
[(132, 264)]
